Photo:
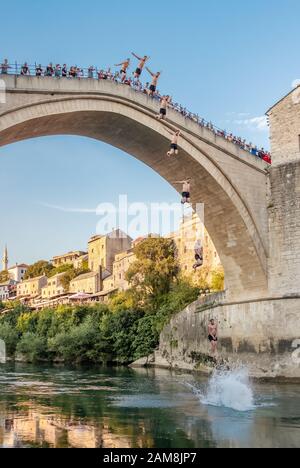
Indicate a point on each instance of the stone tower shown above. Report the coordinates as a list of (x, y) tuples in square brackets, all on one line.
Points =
[(5, 260), (284, 203)]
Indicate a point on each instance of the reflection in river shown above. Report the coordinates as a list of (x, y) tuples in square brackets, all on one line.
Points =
[(111, 408)]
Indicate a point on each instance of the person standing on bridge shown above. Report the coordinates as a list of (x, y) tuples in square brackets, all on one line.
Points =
[(213, 336), (39, 70), (57, 72), (164, 102), (5, 67), (64, 71), (25, 70), (141, 65), (125, 65), (49, 70), (155, 78), (186, 190), (174, 143)]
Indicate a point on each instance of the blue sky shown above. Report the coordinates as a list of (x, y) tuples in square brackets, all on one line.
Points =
[(227, 60)]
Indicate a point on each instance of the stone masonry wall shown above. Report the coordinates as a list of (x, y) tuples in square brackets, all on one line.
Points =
[(284, 228), (285, 129), (261, 335)]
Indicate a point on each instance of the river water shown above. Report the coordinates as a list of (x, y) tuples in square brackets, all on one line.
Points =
[(48, 406)]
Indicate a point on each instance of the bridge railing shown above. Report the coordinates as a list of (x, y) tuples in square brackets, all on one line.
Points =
[(94, 72)]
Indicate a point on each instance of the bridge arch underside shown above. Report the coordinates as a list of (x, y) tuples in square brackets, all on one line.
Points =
[(136, 132)]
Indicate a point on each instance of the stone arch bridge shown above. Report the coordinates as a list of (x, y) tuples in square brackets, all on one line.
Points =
[(229, 181), (252, 210)]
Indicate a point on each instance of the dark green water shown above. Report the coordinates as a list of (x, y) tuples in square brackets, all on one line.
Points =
[(43, 406)]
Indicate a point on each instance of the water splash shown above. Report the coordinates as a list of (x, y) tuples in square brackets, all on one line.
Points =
[(229, 389)]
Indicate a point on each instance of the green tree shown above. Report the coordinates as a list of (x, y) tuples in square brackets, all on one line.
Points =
[(10, 337), (39, 268), (218, 279), (33, 347), (123, 300), (155, 269), (119, 331), (146, 338), (70, 273), (78, 343), (181, 295), (61, 269), (4, 276), (27, 322)]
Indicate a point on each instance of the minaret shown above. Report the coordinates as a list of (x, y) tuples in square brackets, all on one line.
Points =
[(5, 260)]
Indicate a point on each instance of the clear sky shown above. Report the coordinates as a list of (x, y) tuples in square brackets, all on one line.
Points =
[(227, 60)]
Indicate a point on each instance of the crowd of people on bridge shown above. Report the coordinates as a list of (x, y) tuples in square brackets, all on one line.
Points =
[(132, 79)]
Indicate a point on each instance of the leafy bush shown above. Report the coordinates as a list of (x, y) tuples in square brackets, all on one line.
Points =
[(126, 329), (76, 343), (32, 346), (218, 279), (10, 337), (146, 338)]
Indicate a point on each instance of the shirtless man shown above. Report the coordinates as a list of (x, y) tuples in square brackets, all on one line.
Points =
[(174, 143), (141, 65), (213, 336), (165, 100), (125, 66), (186, 190), (155, 78)]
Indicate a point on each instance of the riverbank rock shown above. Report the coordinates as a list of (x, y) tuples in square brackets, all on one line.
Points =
[(143, 362)]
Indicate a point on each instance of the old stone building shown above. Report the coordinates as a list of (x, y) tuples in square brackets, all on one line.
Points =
[(103, 249), (72, 258), (120, 267), (190, 231), (54, 287), (88, 283), (284, 120), (284, 200), (32, 287), (18, 272), (8, 290)]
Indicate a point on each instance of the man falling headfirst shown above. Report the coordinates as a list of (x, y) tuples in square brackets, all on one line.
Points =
[(174, 143), (198, 255), (125, 65), (141, 65), (155, 78), (186, 190)]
